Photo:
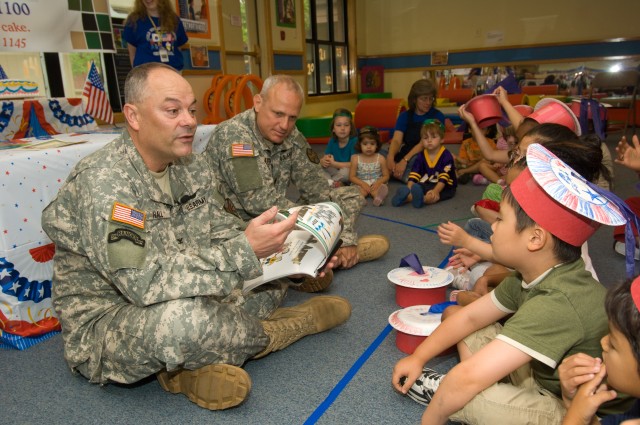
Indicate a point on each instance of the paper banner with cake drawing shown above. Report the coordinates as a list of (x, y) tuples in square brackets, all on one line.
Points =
[(20, 118), (18, 89)]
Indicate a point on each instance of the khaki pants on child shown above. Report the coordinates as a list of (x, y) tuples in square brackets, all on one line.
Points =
[(517, 399)]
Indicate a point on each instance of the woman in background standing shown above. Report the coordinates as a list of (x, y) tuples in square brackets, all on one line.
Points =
[(154, 33)]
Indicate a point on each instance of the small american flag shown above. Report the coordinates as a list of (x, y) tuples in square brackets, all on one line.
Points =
[(3, 75), (241, 149), (128, 215), (98, 105)]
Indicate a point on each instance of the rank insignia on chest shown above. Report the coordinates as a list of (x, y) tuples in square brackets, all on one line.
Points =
[(313, 156), (128, 215), (241, 149)]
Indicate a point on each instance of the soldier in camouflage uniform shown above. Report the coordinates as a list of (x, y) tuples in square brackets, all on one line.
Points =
[(149, 267), (259, 153)]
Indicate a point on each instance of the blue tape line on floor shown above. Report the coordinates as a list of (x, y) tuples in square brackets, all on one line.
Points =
[(399, 222), (425, 227), (347, 377), (333, 395)]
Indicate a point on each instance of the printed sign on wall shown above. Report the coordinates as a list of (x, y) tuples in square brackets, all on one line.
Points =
[(55, 26)]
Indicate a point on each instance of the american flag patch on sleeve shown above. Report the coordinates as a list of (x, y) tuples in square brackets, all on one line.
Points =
[(241, 149), (128, 215)]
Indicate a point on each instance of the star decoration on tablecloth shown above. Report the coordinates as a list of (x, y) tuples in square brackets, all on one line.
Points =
[(4, 273)]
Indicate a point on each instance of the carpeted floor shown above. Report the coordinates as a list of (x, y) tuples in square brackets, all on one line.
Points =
[(339, 377)]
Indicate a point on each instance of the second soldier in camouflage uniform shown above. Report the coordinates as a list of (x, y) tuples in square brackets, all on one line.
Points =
[(259, 158)]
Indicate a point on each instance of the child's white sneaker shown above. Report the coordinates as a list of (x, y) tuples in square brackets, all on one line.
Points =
[(461, 278)]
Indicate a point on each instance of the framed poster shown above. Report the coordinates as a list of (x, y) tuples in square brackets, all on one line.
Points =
[(286, 13), (439, 58), (195, 17), (199, 56), (372, 79)]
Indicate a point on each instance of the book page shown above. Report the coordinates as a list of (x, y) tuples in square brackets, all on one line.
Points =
[(323, 220), (302, 254)]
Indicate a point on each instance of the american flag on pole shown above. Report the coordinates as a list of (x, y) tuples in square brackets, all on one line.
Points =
[(98, 105)]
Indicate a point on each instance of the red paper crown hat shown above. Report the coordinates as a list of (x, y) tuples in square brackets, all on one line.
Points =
[(560, 200), (550, 110)]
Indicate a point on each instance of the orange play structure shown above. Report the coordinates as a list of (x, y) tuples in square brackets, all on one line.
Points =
[(229, 95), (379, 113)]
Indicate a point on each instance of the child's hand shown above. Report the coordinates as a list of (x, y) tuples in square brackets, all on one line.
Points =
[(629, 156), (452, 234), (501, 93), (405, 373), (466, 115), (365, 188), (462, 258), (589, 397), (399, 168), (574, 371), (431, 197), (326, 161)]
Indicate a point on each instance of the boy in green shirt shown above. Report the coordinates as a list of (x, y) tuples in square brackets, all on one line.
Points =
[(508, 373)]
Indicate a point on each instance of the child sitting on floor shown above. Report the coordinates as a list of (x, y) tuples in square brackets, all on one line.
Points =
[(368, 168), (433, 175), (469, 158), (495, 172), (582, 376), (552, 306), (337, 156), (482, 274)]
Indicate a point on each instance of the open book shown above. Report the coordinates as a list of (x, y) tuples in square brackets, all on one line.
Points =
[(308, 247)]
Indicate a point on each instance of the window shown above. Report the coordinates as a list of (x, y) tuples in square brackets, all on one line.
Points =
[(75, 67), (327, 55)]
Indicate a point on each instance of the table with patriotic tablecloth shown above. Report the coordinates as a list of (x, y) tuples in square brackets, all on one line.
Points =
[(21, 118), (29, 179)]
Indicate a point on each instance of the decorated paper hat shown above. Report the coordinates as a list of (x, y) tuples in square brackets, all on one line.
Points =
[(524, 110), (560, 200), (485, 109), (550, 110)]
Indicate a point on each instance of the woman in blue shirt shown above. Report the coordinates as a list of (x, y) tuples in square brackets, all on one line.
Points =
[(404, 145), (154, 33)]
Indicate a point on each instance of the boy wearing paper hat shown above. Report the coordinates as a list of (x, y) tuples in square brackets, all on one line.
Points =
[(507, 373)]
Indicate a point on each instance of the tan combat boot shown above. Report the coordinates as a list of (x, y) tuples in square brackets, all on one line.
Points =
[(288, 324), (214, 387), (315, 284), (372, 247)]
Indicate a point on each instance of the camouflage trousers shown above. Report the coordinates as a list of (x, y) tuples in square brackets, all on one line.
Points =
[(187, 333)]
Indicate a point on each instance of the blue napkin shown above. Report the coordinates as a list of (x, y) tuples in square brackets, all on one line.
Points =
[(439, 308), (412, 261)]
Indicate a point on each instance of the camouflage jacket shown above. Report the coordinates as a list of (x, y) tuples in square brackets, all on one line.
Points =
[(121, 240), (256, 173)]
